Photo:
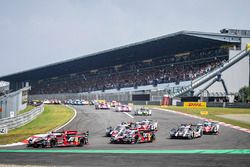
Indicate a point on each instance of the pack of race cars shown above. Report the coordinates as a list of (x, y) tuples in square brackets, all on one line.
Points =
[(143, 131), (118, 107), (133, 132), (191, 131)]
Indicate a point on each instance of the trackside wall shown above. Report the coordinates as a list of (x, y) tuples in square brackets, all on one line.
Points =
[(21, 119)]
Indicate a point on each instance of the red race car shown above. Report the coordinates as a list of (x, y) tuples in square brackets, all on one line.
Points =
[(71, 138), (148, 125), (210, 127), (56, 139), (103, 106), (132, 137)]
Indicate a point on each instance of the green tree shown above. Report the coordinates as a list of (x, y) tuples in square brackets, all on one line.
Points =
[(244, 94)]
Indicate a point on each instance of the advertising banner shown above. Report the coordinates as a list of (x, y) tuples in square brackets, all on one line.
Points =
[(195, 104)]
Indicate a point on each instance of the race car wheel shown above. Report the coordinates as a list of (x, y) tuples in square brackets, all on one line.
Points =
[(171, 136), (215, 130), (52, 143), (81, 143), (191, 136), (35, 145)]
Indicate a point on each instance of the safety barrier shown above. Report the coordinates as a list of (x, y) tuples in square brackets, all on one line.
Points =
[(22, 119)]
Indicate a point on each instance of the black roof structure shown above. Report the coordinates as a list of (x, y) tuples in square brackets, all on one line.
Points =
[(179, 42)]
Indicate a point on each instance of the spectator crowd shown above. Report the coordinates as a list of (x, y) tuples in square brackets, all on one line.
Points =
[(165, 69)]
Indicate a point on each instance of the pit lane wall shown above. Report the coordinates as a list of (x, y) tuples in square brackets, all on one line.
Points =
[(22, 119)]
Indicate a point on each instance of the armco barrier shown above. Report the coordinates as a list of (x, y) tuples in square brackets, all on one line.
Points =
[(21, 119)]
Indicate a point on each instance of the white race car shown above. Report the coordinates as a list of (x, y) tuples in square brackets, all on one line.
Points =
[(143, 111)]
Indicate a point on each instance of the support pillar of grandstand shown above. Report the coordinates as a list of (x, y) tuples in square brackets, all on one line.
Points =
[(204, 97)]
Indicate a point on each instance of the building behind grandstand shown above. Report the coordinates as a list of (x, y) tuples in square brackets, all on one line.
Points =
[(163, 65), (11, 102)]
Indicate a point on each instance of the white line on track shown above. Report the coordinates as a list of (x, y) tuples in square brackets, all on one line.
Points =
[(128, 115), (75, 114)]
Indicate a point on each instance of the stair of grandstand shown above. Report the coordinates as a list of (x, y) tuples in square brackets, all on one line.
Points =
[(211, 75)]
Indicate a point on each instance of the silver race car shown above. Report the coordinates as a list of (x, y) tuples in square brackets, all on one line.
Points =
[(187, 131), (143, 111)]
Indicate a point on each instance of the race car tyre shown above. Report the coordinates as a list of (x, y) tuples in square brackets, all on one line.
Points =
[(215, 130), (81, 143), (35, 145), (191, 136), (152, 139), (52, 143)]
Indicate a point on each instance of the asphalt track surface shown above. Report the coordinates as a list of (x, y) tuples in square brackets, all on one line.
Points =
[(96, 122)]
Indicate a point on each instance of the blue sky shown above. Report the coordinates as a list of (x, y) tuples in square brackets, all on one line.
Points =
[(34, 33)]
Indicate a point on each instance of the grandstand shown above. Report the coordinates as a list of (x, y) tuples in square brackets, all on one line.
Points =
[(170, 64)]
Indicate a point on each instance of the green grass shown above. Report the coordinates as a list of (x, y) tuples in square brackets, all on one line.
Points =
[(213, 112), (52, 117), (27, 109)]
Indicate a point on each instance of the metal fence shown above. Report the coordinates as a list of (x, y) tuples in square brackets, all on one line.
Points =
[(22, 119)]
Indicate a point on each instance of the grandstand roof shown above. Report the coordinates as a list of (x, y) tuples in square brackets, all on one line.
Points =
[(179, 42)]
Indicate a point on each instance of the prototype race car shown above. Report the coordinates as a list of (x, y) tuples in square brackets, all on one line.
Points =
[(132, 137), (102, 106), (71, 138), (144, 125), (123, 108), (187, 131), (148, 125), (143, 111), (115, 103), (114, 131), (42, 140), (210, 127), (54, 139)]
